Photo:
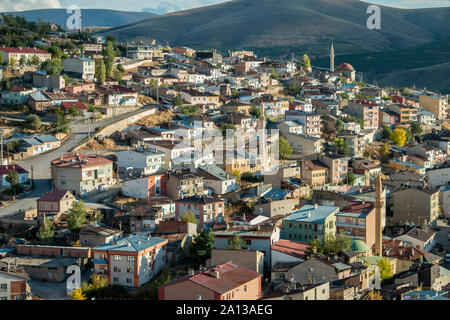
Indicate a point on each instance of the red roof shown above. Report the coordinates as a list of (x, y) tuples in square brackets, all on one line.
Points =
[(4, 169), (75, 160), (54, 196), (345, 66), (23, 50), (67, 105), (230, 277), (291, 248)]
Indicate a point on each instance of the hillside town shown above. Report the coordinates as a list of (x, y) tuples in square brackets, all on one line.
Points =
[(170, 173)]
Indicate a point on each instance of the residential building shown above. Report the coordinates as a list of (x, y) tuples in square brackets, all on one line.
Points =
[(337, 167), (311, 122), (145, 218), (252, 259), (183, 183), (175, 154), (421, 237), (22, 174), (227, 281), (97, 233), (17, 95), (218, 180), (199, 98), (256, 237), (207, 210), (365, 110), (287, 251), (135, 163), (82, 173), (438, 105), (142, 188), (81, 66), (357, 221), (14, 286), (415, 205), (310, 222), (314, 173), (131, 261), (54, 203), (26, 53)]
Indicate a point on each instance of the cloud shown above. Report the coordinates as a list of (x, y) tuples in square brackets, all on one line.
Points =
[(21, 5)]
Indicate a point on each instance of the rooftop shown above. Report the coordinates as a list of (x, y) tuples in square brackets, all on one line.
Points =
[(311, 213), (132, 244)]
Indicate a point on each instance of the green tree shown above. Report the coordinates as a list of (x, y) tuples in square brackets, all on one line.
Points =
[(385, 269), (236, 243), (120, 68), (285, 149), (398, 136), (387, 132), (330, 245), (74, 112), (351, 178), (385, 152), (338, 125), (108, 56), (345, 96), (33, 122), (177, 101), (100, 73), (188, 216), (341, 147), (237, 175), (46, 231), (201, 246), (12, 177), (255, 111), (416, 128), (406, 92), (34, 60), (77, 217), (22, 61), (12, 62), (61, 123), (306, 62), (274, 75), (52, 66)]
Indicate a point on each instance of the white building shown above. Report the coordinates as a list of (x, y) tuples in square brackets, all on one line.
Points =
[(27, 53), (139, 162), (81, 66)]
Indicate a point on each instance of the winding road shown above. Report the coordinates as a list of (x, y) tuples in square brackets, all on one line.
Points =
[(39, 165)]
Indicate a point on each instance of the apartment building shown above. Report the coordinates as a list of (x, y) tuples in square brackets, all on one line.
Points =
[(199, 98), (14, 286), (435, 104), (310, 222), (184, 183), (136, 163), (27, 53), (311, 122), (207, 210), (82, 173), (131, 261), (338, 167), (365, 110), (149, 186), (81, 66), (314, 173)]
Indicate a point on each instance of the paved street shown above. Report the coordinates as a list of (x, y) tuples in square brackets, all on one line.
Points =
[(39, 165)]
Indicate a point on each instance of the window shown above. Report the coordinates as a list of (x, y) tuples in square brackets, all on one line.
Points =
[(129, 280), (117, 258), (3, 286), (117, 269), (130, 270), (130, 259), (245, 288), (115, 279)]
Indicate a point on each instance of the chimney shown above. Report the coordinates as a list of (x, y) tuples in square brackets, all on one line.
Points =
[(308, 214), (191, 271), (316, 206), (215, 273)]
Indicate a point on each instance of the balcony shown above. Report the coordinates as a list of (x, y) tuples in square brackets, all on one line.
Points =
[(349, 225)]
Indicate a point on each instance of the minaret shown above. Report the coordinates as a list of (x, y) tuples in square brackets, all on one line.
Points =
[(378, 219), (332, 58)]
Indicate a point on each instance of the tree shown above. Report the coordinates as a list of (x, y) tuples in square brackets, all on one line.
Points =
[(387, 132), (345, 96), (338, 125), (188, 216), (120, 68), (306, 62), (61, 123), (46, 231), (77, 217), (108, 56), (12, 62), (330, 245), (33, 122), (100, 73), (237, 175), (74, 112), (341, 147), (416, 128), (201, 247), (236, 243), (22, 61), (177, 101), (385, 151), (77, 294), (12, 178), (406, 91), (398, 136), (52, 66), (285, 148), (273, 74), (255, 111), (34, 61), (385, 269), (351, 178), (374, 295)]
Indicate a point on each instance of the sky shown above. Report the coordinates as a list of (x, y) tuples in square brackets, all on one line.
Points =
[(166, 6)]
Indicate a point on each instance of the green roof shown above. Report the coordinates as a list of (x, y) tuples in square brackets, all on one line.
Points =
[(359, 246)]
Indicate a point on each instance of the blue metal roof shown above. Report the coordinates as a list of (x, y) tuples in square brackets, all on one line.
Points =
[(316, 215), (131, 244)]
